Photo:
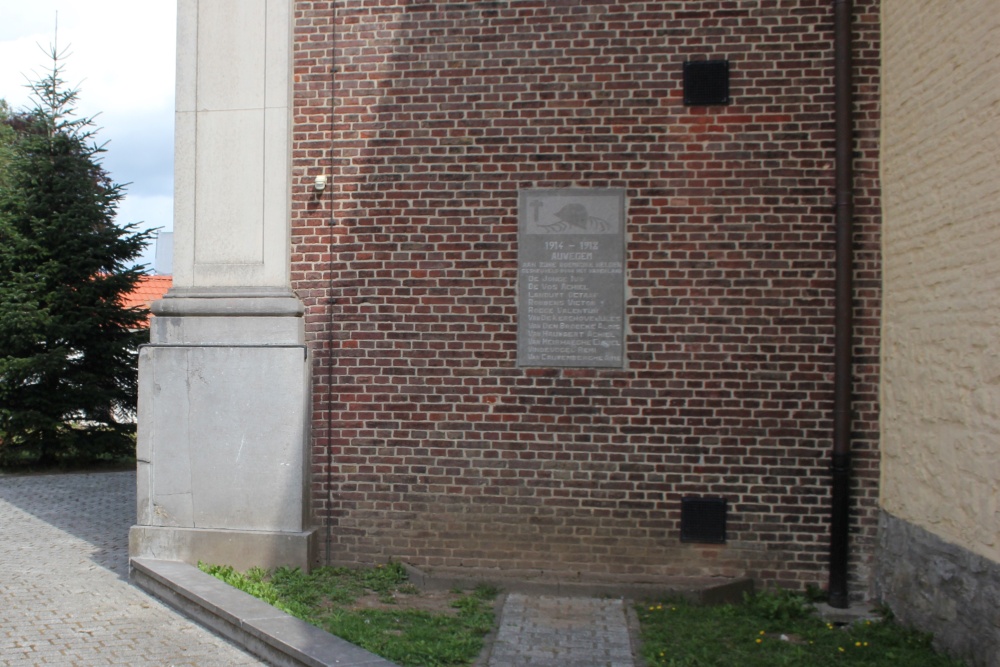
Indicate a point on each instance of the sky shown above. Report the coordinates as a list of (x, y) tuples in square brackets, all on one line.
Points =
[(120, 55)]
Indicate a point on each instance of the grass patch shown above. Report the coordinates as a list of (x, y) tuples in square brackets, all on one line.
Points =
[(378, 609), (775, 629)]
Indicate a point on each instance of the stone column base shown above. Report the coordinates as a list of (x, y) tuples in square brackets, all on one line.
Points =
[(222, 447), (241, 549)]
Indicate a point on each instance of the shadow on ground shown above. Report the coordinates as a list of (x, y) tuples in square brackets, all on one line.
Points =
[(98, 508)]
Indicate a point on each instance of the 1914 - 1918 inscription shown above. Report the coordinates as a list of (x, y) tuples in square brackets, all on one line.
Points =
[(571, 278)]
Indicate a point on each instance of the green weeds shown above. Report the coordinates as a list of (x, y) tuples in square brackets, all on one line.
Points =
[(378, 609), (775, 629)]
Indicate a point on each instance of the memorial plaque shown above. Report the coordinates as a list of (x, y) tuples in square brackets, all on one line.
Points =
[(571, 278)]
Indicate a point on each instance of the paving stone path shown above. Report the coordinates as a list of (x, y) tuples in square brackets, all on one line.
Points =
[(64, 592), (546, 631), (65, 597)]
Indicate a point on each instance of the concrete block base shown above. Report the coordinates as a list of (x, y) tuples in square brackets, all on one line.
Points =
[(241, 549), (222, 445)]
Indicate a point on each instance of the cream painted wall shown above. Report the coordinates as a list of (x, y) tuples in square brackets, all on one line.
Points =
[(941, 268)]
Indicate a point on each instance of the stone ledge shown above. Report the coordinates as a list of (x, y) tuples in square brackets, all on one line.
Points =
[(255, 625), (220, 302), (697, 590), (241, 549)]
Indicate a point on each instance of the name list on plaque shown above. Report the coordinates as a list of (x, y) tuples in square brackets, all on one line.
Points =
[(571, 278)]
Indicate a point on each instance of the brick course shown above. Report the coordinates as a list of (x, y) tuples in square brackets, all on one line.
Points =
[(430, 445)]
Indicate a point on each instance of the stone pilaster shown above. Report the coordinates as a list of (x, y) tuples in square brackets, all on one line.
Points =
[(224, 397)]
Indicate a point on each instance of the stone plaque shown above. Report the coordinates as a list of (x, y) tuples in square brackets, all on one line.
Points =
[(571, 278)]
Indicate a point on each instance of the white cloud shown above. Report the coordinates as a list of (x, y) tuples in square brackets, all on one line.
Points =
[(120, 54), (150, 212)]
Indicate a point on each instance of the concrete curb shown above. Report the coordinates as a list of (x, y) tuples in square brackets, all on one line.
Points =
[(281, 639), (261, 629)]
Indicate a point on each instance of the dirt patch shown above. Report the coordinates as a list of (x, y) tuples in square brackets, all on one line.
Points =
[(434, 602)]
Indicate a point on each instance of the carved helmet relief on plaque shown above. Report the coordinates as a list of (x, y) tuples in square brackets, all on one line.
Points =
[(572, 218)]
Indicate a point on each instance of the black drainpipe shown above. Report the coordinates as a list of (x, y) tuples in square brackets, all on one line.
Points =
[(844, 325)]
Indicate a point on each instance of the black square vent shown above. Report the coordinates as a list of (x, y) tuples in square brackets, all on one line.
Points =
[(706, 82), (703, 520)]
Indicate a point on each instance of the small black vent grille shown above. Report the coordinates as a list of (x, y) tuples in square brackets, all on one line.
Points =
[(706, 82), (703, 520)]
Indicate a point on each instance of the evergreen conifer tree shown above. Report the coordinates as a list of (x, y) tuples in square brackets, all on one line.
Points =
[(68, 345), (6, 138)]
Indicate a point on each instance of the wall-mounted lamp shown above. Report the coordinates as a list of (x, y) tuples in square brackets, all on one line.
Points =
[(320, 183)]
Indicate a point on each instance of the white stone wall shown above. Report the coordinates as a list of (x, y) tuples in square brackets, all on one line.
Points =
[(941, 245)]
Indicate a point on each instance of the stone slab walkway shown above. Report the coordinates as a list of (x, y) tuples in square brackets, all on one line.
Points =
[(64, 592), (547, 631)]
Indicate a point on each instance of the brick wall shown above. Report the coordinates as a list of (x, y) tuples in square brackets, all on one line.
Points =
[(430, 445)]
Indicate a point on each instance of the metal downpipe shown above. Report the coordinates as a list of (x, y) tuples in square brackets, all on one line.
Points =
[(844, 298)]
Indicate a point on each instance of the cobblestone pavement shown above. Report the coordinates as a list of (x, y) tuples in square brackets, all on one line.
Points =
[(65, 597), (64, 592), (546, 631)]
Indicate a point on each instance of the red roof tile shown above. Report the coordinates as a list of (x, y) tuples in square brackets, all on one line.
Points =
[(148, 290)]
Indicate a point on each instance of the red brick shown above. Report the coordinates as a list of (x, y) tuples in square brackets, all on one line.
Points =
[(429, 443)]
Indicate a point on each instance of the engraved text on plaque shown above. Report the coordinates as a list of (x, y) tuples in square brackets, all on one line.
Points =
[(571, 289)]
